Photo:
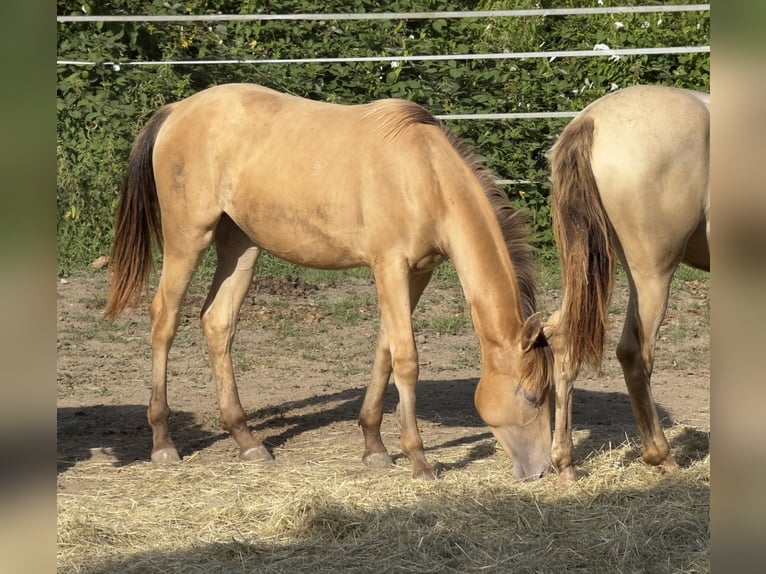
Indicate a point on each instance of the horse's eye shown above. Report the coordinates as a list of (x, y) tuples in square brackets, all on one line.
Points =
[(532, 399)]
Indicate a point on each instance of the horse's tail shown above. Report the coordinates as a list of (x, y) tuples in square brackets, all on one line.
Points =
[(582, 231), (137, 224)]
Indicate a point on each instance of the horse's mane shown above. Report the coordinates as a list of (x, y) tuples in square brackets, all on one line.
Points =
[(514, 224), (393, 116)]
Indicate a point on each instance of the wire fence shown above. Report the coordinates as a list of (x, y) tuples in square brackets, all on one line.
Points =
[(392, 15), (598, 51)]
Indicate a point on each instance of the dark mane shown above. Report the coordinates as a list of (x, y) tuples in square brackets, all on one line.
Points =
[(514, 224)]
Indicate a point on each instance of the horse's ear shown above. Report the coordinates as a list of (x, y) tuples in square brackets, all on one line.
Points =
[(531, 332)]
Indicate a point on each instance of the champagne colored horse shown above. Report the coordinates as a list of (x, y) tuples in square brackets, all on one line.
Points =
[(630, 176), (332, 187)]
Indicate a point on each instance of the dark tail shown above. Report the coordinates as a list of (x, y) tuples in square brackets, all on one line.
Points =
[(582, 231), (137, 225)]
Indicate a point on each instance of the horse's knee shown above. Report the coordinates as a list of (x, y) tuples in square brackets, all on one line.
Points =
[(405, 366), (164, 322), (629, 353), (626, 350), (218, 328)]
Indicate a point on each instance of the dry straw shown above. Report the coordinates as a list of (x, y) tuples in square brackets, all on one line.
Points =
[(330, 514)]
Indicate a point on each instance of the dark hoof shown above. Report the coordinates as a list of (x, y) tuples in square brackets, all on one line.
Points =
[(257, 454), (378, 460), (167, 455)]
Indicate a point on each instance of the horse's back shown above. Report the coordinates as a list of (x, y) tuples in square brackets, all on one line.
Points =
[(313, 182), (650, 158)]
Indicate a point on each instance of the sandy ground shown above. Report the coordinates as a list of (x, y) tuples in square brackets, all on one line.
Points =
[(303, 355)]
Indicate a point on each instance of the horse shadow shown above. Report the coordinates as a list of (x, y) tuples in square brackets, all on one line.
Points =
[(121, 434)]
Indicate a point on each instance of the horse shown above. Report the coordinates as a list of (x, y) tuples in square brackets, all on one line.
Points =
[(332, 186), (630, 181)]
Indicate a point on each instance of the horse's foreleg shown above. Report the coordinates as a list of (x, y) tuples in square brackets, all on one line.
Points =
[(371, 413), (237, 257), (562, 448), (635, 351), (394, 293), (177, 270), (564, 376)]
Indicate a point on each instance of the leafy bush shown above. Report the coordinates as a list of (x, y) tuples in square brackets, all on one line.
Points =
[(102, 107)]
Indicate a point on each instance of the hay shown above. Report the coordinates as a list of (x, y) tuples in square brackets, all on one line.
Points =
[(328, 513)]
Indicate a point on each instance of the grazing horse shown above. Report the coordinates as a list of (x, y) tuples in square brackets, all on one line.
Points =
[(333, 187), (630, 177)]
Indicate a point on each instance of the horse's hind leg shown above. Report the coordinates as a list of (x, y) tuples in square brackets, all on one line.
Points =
[(371, 414), (237, 257), (179, 264), (635, 351)]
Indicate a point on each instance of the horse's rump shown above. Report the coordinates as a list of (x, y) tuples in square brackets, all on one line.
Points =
[(628, 173)]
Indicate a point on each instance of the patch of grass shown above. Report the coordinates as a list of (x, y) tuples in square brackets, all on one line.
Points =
[(549, 275), (351, 310), (686, 273), (443, 324)]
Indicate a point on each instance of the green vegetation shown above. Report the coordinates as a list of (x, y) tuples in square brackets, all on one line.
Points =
[(102, 107)]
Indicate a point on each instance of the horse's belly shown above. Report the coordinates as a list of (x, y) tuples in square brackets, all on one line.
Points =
[(305, 240), (697, 253), (324, 256)]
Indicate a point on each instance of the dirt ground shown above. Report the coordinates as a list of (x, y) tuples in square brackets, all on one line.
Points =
[(303, 354)]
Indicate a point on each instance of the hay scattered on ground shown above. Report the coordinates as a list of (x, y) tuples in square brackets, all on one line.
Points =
[(331, 514)]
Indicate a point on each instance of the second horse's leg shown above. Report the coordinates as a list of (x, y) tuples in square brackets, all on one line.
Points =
[(635, 351)]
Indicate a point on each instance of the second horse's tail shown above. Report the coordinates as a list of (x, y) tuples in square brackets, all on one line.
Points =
[(137, 225), (582, 232)]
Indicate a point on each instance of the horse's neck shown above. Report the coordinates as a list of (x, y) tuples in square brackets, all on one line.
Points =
[(480, 256)]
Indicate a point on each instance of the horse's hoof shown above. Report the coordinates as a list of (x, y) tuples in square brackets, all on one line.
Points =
[(257, 454), (378, 460), (167, 455), (427, 473), (669, 466), (567, 477)]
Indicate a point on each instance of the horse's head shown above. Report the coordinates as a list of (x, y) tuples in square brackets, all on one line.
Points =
[(514, 399)]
